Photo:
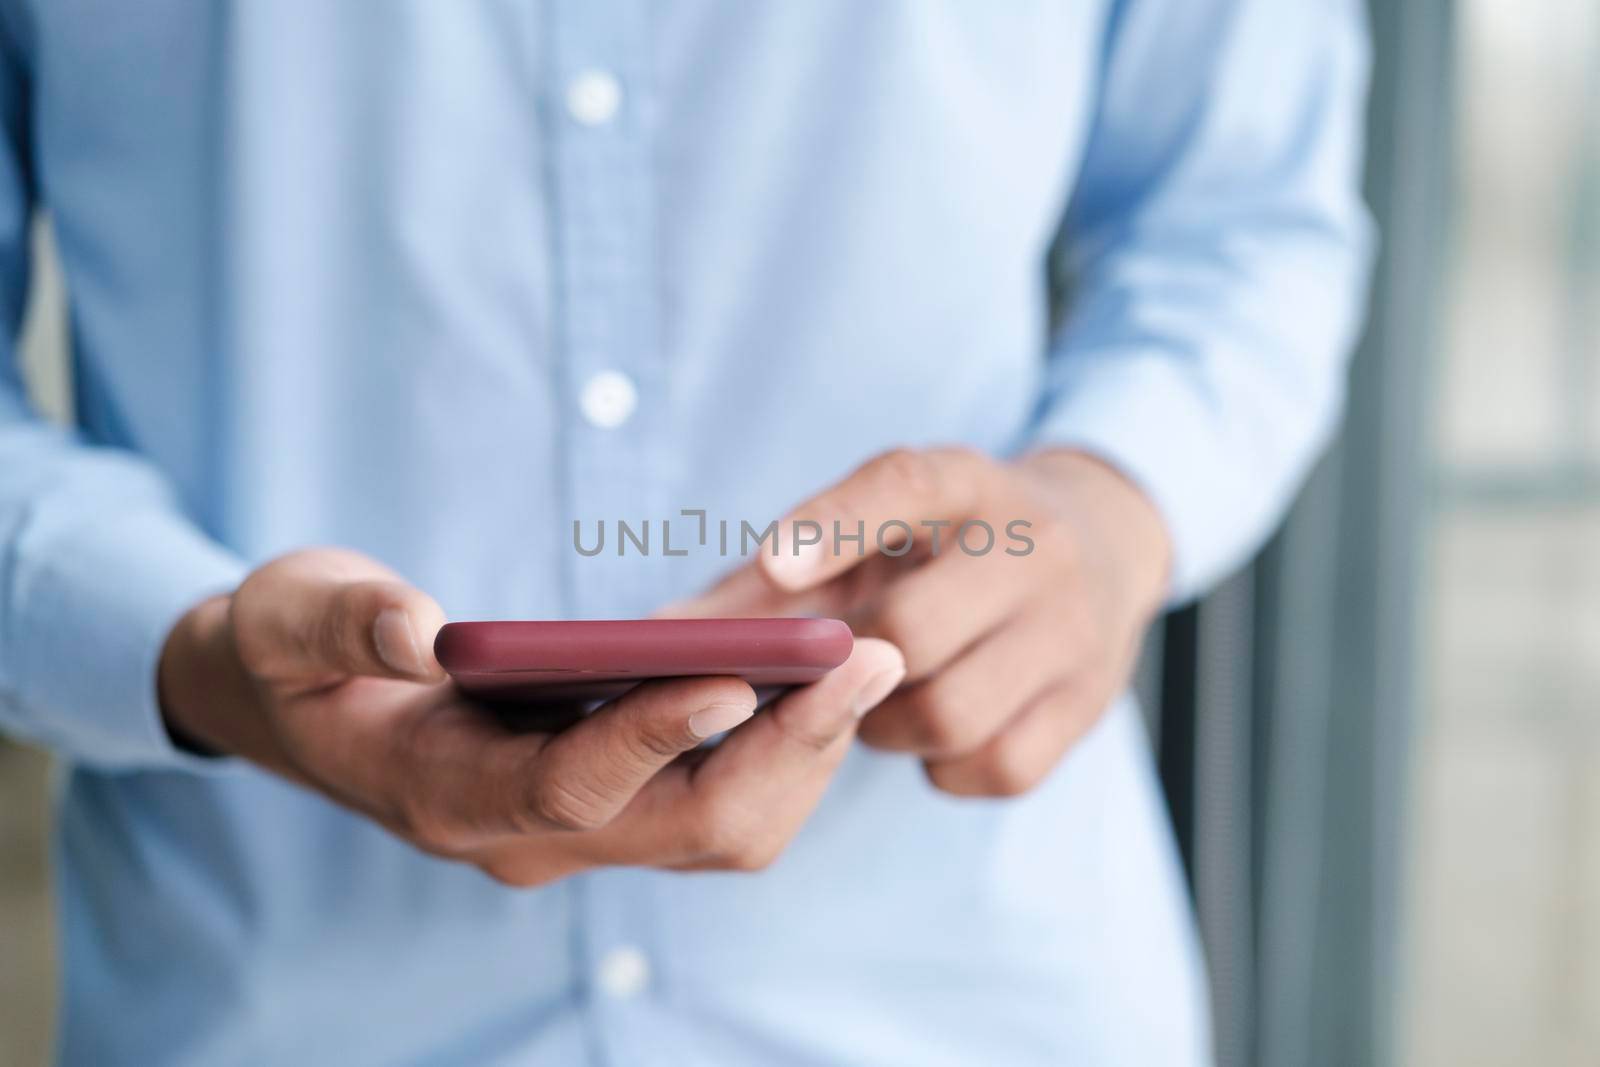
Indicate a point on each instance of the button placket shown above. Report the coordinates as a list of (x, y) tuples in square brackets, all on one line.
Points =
[(603, 229)]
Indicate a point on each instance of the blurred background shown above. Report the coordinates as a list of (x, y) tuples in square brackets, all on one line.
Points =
[(1381, 742), (1501, 938)]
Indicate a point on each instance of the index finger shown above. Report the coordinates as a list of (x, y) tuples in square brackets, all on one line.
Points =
[(884, 507)]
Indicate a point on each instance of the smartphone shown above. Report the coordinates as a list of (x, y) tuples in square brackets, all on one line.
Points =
[(585, 661)]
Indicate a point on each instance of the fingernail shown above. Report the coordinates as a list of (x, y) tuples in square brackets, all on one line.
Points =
[(672, 609), (718, 718), (687, 608), (878, 687), (794, 565), (396, 644)]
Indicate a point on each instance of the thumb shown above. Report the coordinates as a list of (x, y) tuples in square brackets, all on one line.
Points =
[(323, 614)]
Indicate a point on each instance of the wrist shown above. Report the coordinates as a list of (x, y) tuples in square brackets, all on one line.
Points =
[(199, 683), (1133, 532)]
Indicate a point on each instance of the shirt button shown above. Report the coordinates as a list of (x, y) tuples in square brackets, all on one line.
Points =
[(608, 399), (624, 972), (593, 97)]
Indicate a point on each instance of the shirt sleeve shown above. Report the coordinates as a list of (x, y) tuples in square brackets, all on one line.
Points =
[(97, 560), (1217, 252)]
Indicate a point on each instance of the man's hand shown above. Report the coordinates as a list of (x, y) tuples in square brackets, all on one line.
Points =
[(320, 668), (1010, 658)]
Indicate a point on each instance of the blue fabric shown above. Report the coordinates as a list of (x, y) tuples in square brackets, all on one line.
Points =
[(344, 274)]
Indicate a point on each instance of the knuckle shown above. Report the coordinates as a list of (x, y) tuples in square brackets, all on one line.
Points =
[(909, 467), (511, 875), (555, 804), (423, 827), (1084, 636), (810, 734), (939, 717), (258, 655), (985, 780), (258, 649), (653, 744), (963, 456), (903, 623), (948, 780), (256, 586), (1060, 542), (721, 832), (753, 858), (886, 727), (1008, 772), (344, 629)]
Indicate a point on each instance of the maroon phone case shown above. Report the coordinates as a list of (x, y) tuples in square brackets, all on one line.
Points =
[(542, 662)]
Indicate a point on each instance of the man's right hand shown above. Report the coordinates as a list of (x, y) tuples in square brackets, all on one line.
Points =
[(320, 668)]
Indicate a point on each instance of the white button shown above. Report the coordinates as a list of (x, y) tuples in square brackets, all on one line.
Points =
[(593, 97), (624, 972), (608, 399)]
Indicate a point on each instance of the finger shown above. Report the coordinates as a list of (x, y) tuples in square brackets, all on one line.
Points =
[(451, 778), (746, 592), (961, 707), (583, 776), (762, 783), (523, 863), (938, 610), (783, 744), (738, 806), (1027, 749), (887, 499), (323, 614)]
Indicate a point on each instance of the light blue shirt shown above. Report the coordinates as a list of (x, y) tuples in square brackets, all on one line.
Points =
[(432, 280)]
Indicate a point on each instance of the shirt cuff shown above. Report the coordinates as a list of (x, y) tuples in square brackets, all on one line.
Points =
[(89, 618), (1218, 481)]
